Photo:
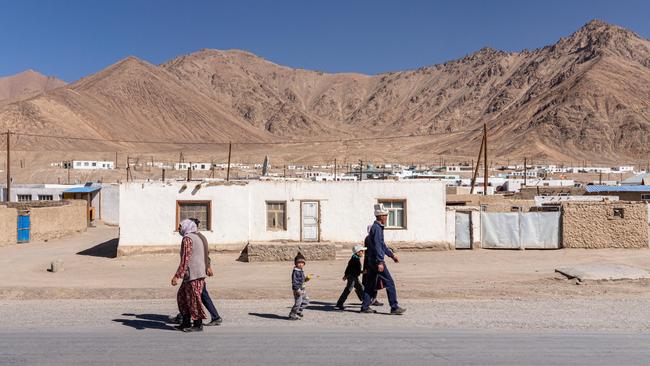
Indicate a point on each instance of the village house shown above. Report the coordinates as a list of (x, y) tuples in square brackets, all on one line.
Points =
[(88, 164), (233, 214)]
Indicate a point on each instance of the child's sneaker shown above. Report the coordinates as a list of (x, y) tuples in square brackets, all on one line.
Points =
[(294, 317), (300, 315)]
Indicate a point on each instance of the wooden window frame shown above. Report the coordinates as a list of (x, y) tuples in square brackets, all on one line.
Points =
[(46, 195), (266, 215), (404, 219), (209, 213)]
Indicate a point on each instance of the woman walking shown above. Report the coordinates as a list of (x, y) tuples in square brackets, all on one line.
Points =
[(192, 272)]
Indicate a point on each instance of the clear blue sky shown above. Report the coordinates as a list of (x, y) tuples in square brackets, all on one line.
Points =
[(71, 39)]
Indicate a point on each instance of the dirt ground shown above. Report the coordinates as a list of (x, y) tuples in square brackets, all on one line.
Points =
[(89, 272)]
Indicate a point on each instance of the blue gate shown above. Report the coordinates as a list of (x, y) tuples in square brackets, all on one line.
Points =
[(23, 226)]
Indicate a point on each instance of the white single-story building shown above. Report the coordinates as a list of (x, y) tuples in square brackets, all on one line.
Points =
[(235, 213), (89, 164)]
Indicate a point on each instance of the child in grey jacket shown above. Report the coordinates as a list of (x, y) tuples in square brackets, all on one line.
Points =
[(298, 279)]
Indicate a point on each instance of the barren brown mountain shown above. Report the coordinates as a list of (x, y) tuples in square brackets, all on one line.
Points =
[(25, 85), (585, 97)]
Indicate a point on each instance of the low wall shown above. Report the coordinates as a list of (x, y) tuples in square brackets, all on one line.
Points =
[(8, 225), (55, 222), (595, 225)]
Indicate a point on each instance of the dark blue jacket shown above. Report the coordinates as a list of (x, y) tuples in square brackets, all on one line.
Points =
[(297, 279), (377, 248)]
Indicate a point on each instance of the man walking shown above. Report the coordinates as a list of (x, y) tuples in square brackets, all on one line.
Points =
[(377, 270)]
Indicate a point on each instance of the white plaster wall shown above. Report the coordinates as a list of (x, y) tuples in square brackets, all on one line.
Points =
[(148, 211), (450, 228)]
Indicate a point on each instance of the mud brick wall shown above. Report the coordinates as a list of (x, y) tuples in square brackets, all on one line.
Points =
[(596, 225), (55, 222), (8, 225)]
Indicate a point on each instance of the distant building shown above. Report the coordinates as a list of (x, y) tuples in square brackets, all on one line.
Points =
[(88, 164)]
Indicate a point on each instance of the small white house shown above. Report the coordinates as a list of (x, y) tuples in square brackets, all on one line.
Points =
[(92, 164), (235, 213)]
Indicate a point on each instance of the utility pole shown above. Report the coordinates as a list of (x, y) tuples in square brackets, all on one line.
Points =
[(525, 172), (116, 160), (229, 152), (335, 169), (8, 198), (485, 158), (478, 164), (69, 168), (163, 175)]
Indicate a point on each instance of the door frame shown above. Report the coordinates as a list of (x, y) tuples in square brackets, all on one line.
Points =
[(317, 221)]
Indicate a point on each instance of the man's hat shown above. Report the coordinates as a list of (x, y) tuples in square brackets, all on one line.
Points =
[(380, 210), (299, 258)]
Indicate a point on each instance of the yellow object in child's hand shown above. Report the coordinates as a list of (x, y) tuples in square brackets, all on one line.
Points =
[(309, 277)]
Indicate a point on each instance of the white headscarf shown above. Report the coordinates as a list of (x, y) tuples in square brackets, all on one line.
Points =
[(188, 227)]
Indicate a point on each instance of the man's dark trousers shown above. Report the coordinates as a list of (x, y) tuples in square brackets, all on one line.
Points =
[(207, 302), (370, 287), (353, 284)]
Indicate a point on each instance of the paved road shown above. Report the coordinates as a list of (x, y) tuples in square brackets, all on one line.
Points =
[(341, 346), (118, 332)]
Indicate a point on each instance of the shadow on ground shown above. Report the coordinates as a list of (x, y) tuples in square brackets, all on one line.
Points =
[(269, 316), (146, 321), (107, 249)]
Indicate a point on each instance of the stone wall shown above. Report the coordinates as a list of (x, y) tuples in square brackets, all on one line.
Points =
[(55, 222), (492, 203), (8, 225), (596, 225)]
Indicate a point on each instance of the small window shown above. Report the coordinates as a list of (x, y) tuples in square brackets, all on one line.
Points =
[(86, 164), (77, 163), (45, 197), (201, 210), (645, 197), (564, 194), (396, 213), (94, 164), (515, 208), (24, 198), (276, 215), (619, 213)]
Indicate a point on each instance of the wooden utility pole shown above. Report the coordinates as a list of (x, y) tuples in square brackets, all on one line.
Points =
[(525, 172), (116, 160), (69, 168), (229, 153), (335, 170), (478, 164), (485, 158), (8, 190), (163, 175)]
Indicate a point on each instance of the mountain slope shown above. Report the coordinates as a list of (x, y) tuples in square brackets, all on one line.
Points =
[(25, 85), (587, 97)]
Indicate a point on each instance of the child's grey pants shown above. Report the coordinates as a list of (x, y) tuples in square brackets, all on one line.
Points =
[(300, 301)]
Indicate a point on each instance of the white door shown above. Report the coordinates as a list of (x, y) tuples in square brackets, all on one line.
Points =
[(309, 221)]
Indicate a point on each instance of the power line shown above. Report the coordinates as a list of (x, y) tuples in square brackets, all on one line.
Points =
[(292, 142)]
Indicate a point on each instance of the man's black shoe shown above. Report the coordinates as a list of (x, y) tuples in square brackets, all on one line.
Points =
[(398, 311), (368, 311), (214, 322)]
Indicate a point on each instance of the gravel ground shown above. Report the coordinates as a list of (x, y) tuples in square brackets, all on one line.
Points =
[(629, 315)]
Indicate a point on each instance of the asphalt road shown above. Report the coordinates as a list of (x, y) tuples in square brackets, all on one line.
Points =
[(280, 346), (138, 332)]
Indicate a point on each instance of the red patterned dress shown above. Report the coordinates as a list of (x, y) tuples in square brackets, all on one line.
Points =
[(189, 294)]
